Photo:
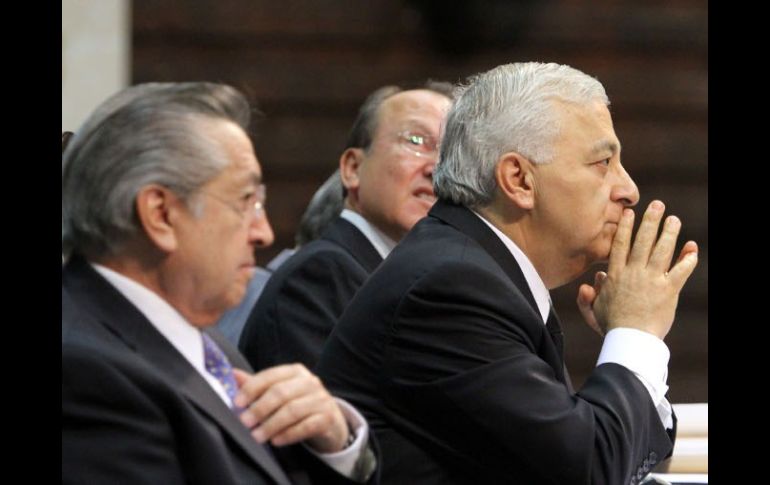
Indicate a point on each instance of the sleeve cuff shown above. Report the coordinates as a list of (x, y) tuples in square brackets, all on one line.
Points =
[(647, 357), (344, 461), (640, 352)]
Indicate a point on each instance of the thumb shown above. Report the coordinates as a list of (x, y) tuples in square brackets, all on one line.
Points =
[(599, 280), (586, 296), (585, 300)]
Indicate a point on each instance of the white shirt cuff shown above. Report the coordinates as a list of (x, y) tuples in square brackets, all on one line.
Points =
[(344, 461), (647, 357)]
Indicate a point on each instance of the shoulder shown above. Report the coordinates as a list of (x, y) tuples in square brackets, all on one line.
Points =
[(117, 390), (102, 368), (319, 261)]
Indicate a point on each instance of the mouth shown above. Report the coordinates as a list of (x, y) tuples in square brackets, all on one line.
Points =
[(426, 195)]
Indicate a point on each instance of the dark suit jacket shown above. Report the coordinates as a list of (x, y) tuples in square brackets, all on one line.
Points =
[(135, 411), (304, 298), (445, 353), (232, 322)]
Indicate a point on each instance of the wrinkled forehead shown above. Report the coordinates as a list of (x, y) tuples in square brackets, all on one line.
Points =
[(590, 123)]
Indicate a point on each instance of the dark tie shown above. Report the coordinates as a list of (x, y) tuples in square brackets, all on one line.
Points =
[(554, 328), (218, 366)]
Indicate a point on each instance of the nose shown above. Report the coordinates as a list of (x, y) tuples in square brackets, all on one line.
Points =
[(625, 190), (430, 165), (260, 231)]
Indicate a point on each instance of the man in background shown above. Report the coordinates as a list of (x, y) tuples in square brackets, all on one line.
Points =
[(324, 207), (386, 171)]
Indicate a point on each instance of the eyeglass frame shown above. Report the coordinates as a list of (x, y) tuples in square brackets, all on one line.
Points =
[(405, 136), (258, 207)]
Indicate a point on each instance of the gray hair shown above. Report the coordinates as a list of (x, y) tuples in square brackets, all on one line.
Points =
[(151, 133), (509, 108), (323, 208)]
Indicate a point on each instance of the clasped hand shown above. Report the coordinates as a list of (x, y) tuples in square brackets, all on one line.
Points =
[(640, 288)]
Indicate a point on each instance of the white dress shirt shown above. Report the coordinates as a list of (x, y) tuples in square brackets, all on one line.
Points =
[(381, 242), (188, 341), (640, 352)]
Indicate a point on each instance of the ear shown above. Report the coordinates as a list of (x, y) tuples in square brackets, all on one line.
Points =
[(350, 164), (515, 178), (157, 209)]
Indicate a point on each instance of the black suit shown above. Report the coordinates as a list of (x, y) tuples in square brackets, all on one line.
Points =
[(135, 411), (304, 298), (445, 353)]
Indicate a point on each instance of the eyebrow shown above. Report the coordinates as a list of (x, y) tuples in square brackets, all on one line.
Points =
[(247, 181), (416, 124), (606, 145)]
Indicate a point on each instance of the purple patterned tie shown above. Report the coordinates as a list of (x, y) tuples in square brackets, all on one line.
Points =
[(218, 366)]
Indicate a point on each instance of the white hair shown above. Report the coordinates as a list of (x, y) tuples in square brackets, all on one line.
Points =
[(509, 108)]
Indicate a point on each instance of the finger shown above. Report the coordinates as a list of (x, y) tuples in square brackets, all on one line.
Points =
[(621, 242), (255, 385), (292, 414), (660, 259), (241, 376), (685, 265), (599, 278), (647, 233), (309, 427), (585, 300), (689, 247), (278, 396)]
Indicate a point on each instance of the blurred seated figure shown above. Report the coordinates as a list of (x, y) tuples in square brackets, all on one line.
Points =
[(324, 207), (386, 169)]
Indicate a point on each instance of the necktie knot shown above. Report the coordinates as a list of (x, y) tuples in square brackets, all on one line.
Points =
[(218, 365)]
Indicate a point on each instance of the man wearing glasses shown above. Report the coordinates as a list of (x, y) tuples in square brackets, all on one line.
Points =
[(161, 212), (386, 173)]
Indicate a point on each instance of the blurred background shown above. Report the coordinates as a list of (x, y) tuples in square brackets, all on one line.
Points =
[(308, 65)]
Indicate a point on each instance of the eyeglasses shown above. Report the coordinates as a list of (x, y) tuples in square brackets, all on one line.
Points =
[(420, 144), (250, 204)]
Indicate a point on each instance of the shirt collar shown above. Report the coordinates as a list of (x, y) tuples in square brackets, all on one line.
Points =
[(535, 283), (382, 243), (169, 322)]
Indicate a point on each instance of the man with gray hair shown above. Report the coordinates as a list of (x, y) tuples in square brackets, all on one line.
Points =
[(452, 349), (386, 170), (162, 208)]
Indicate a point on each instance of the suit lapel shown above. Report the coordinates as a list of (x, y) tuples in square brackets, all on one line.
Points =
[(469, 223), (345, 234), (462, 219), (127, 323)]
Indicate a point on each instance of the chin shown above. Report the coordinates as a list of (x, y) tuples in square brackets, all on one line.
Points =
[(601, 256), (204, 320), (596, 254), (234, 296), (425, 205)]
